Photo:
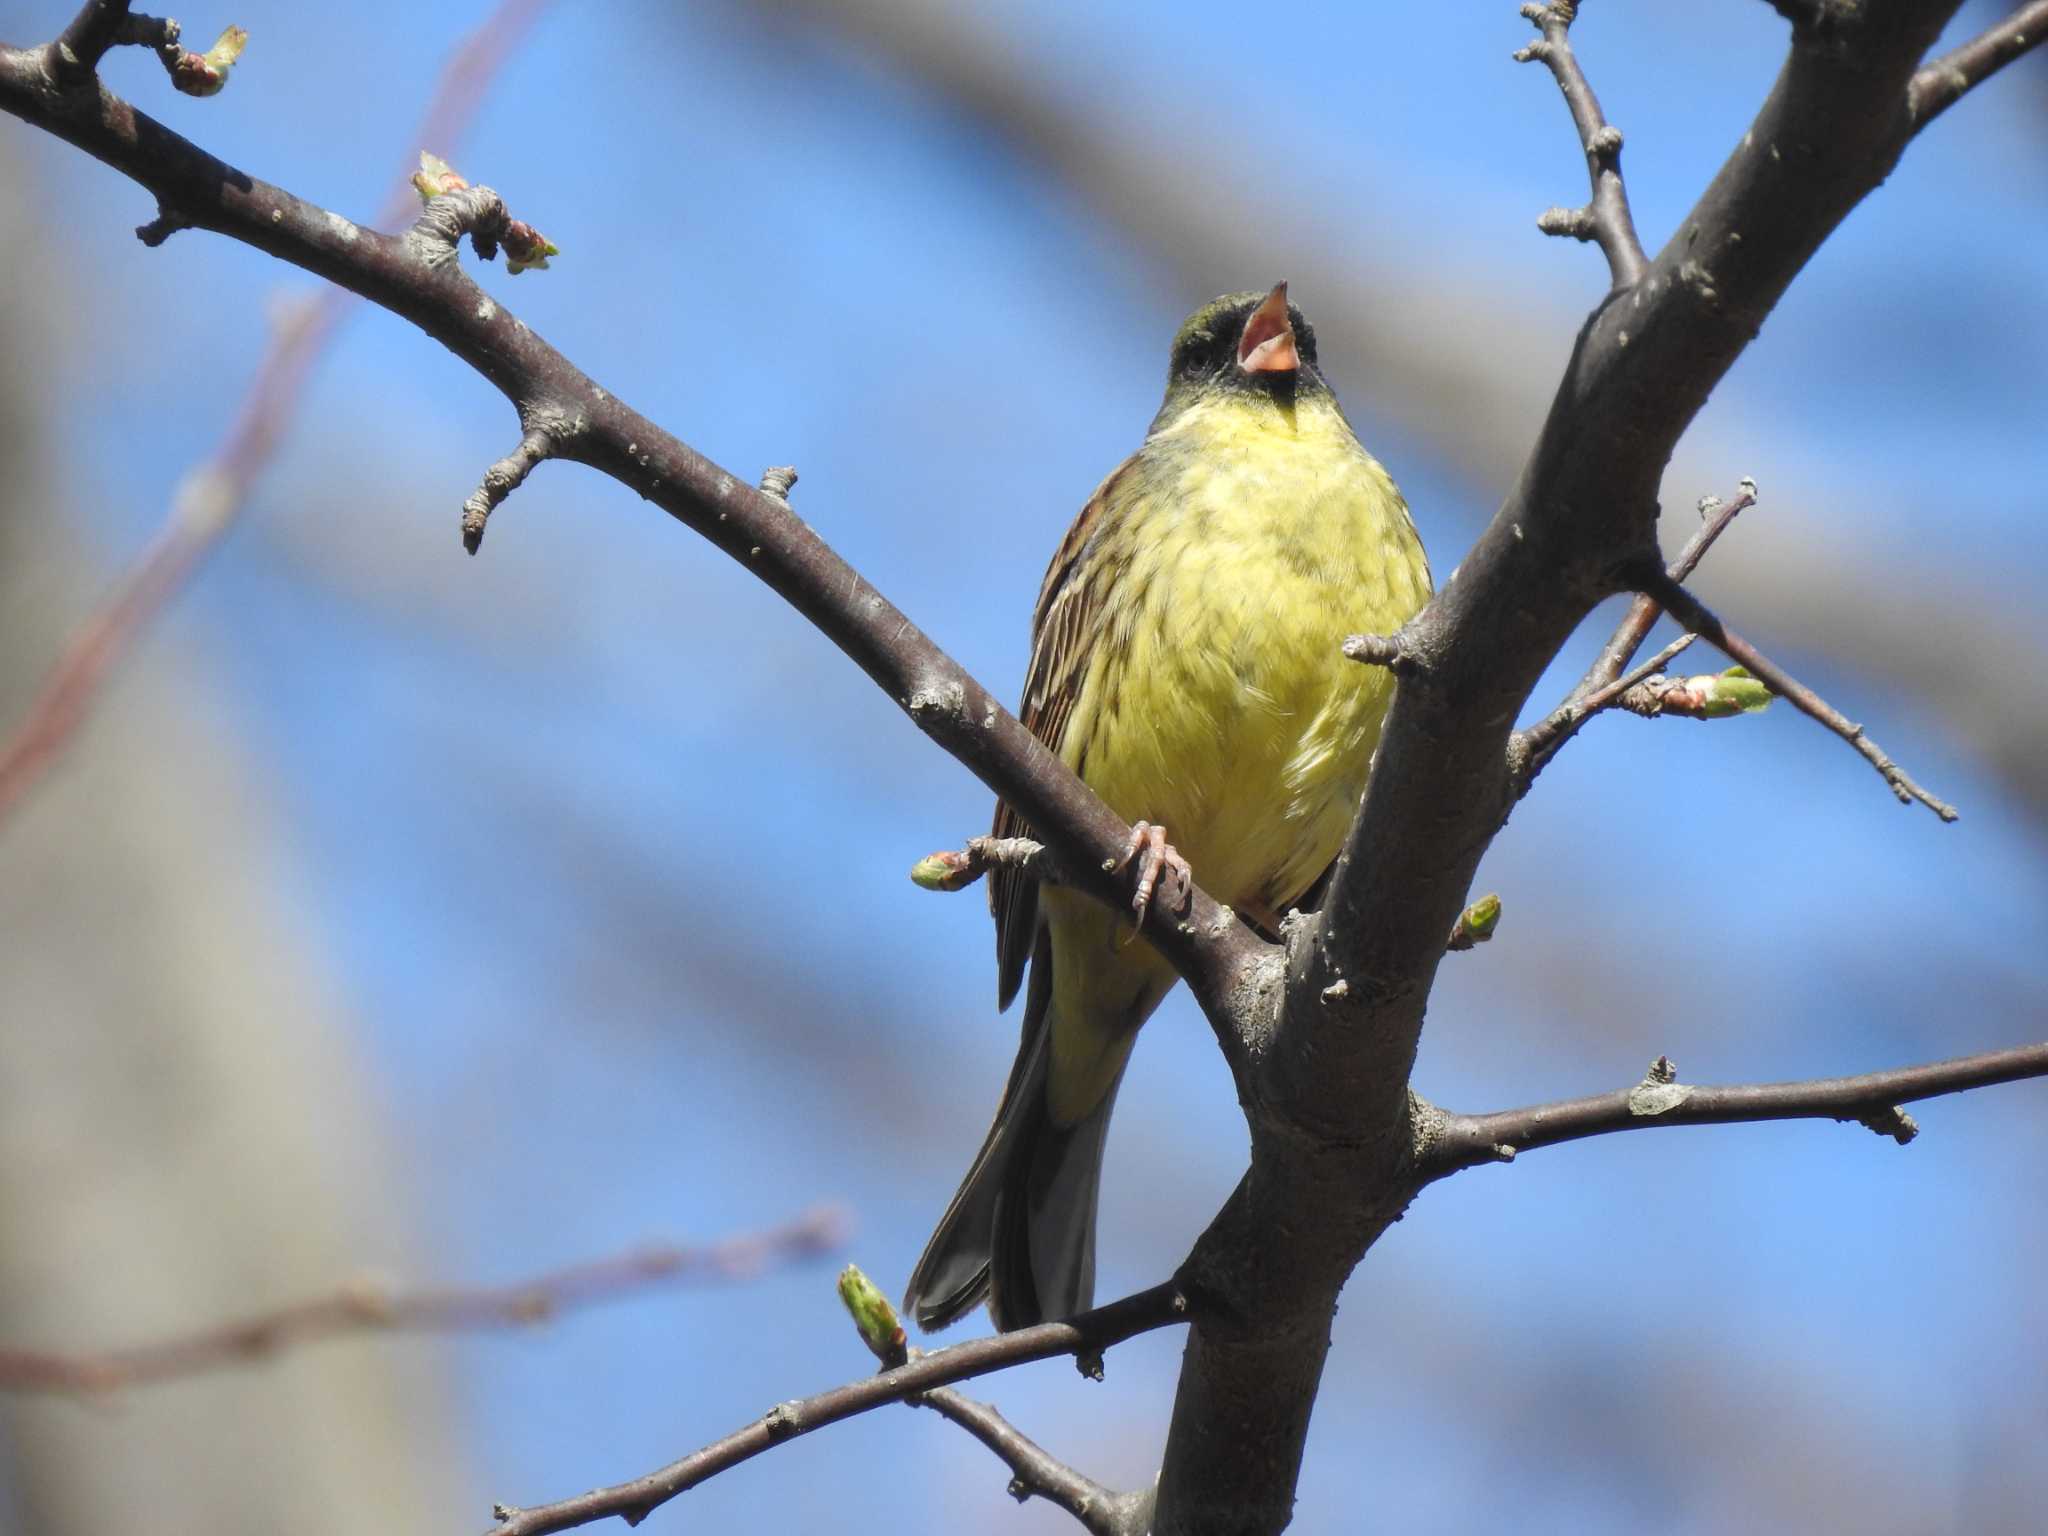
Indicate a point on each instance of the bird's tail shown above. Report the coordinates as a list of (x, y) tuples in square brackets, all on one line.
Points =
[(1021, 1230)]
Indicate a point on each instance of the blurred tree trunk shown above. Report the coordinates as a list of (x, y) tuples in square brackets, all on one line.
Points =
[(186, 1131)]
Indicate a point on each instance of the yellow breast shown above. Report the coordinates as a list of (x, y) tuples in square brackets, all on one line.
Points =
[(1249, 539)]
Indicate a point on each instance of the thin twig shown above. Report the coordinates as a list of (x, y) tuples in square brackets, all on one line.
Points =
[(500, 481), (456, 208), (1696, 616), (1601, 698), (1606, 218), (1704, 696), (76, 54), (1641, 618), (1938, 86), (1531, 750), (1380, 651), (956, 869), (1085, 1336), (1036, 1471), (211, 495), (365, 1306), (1466, 1141)]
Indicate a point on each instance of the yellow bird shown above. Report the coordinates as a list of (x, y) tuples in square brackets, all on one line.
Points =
[(1185, 663)]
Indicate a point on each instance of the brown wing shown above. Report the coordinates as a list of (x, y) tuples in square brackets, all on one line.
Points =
[(1060, 636)]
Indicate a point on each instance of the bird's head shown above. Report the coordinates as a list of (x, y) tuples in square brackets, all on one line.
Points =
[(1251, 344)]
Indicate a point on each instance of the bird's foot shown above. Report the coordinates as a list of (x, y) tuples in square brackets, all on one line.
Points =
[(1155, 856)]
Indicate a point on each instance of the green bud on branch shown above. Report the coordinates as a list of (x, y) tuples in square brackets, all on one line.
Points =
[(880, 1328)]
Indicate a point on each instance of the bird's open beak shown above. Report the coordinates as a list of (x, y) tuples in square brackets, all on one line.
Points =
[(1268, 342)]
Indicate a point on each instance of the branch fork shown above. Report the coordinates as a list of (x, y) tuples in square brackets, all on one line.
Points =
[(104, 25), (1034, 1471), (1744, 689), (1084, 1337)]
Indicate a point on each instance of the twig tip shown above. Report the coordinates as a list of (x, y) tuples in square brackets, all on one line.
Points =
[(1892, 1121), (1387, 651)]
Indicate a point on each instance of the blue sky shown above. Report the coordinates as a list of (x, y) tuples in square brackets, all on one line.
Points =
[(666, 914)]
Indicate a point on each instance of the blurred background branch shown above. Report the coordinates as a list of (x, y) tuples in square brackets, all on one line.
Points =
[(368, 1304), (463, 835), (210, 496)]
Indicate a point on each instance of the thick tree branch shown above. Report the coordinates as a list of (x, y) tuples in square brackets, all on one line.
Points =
[(1330, 1110), (1452, 1142), (1695, 615), (1606, 218), (1084, 1337), (367, 1306), (410, 276), (1454, 363), (1943, 83), (1322, 1054)]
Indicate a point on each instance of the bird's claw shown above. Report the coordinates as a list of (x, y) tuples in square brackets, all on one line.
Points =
[(1155, 855)]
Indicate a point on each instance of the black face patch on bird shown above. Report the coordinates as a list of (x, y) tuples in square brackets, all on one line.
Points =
[(1206, 352)]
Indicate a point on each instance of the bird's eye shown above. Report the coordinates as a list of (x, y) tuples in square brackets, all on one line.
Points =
[(1198, 353)]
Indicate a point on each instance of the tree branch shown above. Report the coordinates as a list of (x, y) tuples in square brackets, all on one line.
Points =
[(210, 497), (1084, 1337), (1036, 1470), (365, 1306), (1322, 1055), (1715, 517), (1695, 615), (1332, 1119), (500, 481), (1942, 84), (1452, 1142), (409, 276), (956, 869), (96, 29), (1530, 750), (1606, 218), (1454, 361), (1101, 1511)]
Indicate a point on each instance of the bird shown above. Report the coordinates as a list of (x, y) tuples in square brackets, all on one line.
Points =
[(1186, 664)]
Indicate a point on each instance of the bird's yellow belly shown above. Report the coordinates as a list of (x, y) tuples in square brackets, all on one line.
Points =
[(1222, 707), (1216, 701)]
